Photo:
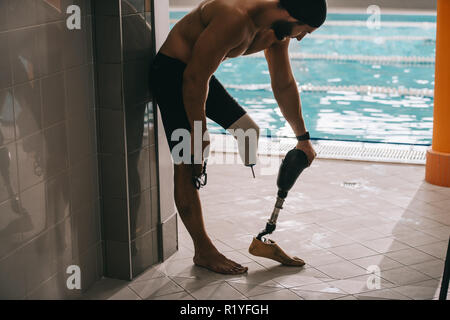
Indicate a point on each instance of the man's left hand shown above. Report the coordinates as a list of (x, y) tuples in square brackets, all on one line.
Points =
[(307, 147)]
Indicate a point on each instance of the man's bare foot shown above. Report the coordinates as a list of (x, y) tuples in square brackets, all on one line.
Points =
[(217, 262)]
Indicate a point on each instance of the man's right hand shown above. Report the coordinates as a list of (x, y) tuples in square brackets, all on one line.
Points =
[(198, 169)]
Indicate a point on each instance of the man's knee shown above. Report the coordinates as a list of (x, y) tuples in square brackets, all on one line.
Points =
[(245, 123)]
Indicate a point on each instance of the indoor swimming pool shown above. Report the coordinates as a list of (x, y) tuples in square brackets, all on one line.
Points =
[(358, 82)]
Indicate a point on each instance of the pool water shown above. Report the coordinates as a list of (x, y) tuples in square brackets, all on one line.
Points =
[(342, 54)]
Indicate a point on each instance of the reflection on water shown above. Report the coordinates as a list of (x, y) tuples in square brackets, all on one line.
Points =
[(346, 116)]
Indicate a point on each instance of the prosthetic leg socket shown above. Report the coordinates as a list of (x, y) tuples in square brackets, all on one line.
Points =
[(291, 168), (246, 132)]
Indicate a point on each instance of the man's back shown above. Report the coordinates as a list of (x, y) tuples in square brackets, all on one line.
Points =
[(184, 35)]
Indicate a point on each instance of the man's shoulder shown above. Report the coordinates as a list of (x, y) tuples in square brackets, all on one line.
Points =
[(230, 15)]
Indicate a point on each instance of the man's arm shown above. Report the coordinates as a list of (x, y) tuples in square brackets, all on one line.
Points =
[(286, 92), (284, 86), (223, 33)]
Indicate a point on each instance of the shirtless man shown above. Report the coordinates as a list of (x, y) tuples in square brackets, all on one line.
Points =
[(186, 89)]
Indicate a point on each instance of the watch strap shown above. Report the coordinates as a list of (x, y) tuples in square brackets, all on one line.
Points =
[(304, 137)]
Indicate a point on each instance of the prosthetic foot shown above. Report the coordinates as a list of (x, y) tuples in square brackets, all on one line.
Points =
[(269, 249), (291, 168)]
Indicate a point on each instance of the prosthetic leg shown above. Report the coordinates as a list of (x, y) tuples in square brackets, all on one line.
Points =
[(291, 168), (246, 132)]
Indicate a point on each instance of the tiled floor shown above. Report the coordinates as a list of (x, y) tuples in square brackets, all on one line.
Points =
[(386, 215)]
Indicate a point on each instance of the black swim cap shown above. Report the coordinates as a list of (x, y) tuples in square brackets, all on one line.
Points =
[(311, 12)]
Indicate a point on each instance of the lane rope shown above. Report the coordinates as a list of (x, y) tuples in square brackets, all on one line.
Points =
[(362, 89), (414, 60), (369, 38), (386, 24), (360, 23)]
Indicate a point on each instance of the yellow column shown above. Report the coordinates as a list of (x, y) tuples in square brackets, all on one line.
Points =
[(438, 156)]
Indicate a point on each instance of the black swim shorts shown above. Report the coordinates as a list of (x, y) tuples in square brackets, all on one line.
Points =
[(166, 80)]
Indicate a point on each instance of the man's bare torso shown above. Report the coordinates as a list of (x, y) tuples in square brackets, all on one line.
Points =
[(184, 34)]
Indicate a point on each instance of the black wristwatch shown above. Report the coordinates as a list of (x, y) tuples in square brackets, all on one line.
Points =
[(304, 137)]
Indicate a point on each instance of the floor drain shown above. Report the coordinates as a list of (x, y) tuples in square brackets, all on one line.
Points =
[(352, 185)]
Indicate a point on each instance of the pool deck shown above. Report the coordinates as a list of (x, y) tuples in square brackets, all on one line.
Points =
[(340, 217)]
